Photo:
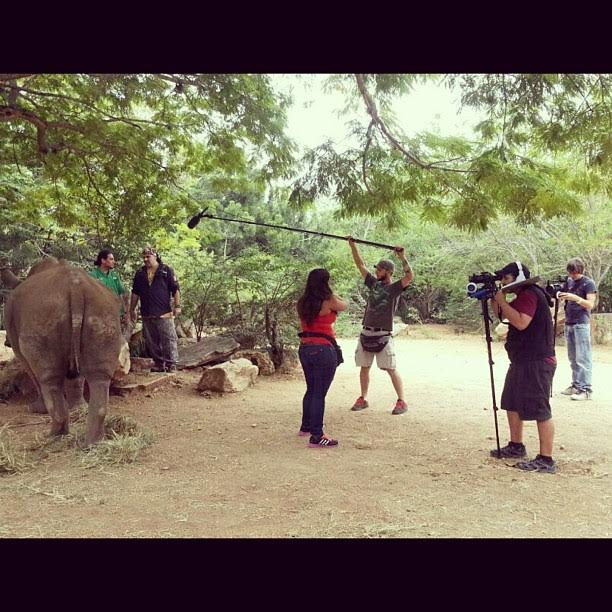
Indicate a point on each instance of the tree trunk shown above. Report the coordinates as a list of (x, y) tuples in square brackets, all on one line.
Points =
[(272, 336)]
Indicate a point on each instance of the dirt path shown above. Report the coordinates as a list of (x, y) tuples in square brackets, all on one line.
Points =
[(234, 466)]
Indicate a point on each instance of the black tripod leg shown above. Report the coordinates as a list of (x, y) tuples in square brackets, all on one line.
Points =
[(555, 332), (485, 316)]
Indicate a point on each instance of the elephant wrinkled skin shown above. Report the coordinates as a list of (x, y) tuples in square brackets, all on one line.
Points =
[(64, 326)]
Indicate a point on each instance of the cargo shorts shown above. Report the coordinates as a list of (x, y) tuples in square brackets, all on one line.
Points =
[(385, 359)]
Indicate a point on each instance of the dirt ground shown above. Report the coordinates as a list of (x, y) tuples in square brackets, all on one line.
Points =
[(233, 465)]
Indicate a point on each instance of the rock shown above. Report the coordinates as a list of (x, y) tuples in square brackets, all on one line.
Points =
[(123, 365), (6, 353), (259, 358), (186, 341), (228, 377), (209, 350), (141, 382), (141, 364), (291, 361), (247, 340), (15, 379)]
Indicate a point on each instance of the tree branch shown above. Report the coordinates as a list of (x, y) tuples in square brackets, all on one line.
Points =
[(376, 120), (365, 153)]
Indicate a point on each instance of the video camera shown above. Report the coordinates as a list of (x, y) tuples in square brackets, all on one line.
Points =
[(555, 286), (482, 286)]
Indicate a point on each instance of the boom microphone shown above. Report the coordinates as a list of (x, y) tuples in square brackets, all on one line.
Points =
[(196, 219)]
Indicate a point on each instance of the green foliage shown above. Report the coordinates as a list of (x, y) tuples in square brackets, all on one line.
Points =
[(106, 154), (462, 183)]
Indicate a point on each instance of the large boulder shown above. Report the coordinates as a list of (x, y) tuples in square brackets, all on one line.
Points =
[(228, 377), (141, 365), (15, 379), (6, 353), (291, 361), (123, 362), (259, 358)]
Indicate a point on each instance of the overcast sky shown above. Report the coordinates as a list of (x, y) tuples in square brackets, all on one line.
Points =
[(314, 115)]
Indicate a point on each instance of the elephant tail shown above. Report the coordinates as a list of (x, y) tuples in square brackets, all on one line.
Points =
[(77, 310)]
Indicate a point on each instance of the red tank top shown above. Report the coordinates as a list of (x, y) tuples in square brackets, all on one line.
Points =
[(323, 324)]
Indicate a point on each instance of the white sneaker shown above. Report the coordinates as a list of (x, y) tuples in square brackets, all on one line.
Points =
[(569, 391), (580, 396)]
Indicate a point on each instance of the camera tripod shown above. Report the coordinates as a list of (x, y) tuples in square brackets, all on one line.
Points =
[(555, 324), (487, 321), (555, 330)]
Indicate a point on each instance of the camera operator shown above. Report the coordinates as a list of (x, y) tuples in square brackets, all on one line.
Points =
[(579, 299), (530, 348)]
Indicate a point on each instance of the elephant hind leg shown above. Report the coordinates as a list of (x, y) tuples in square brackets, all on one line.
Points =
[(53, 396), (74, 393), (38, 405), (98, 405)]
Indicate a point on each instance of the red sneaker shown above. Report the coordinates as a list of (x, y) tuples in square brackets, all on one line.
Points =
[(360, 403), (400, 407)]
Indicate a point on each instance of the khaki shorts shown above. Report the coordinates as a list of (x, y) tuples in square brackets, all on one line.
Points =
[(385, 359)]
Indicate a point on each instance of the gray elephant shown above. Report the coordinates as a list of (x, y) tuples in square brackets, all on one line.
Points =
[(64, 326)]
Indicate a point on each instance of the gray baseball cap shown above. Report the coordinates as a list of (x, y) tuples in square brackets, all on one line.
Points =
[(386, 264)]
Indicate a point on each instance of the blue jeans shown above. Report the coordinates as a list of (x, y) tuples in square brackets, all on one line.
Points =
[(319, 363), (578, 339)]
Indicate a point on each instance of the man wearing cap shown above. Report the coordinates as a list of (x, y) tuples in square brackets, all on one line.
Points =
[(155, 285), (377, 324), (530, 348)]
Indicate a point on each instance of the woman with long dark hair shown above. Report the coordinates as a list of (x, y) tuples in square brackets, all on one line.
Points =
[(317, 309)]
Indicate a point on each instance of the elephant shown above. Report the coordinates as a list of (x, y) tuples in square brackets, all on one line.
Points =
[(64, 326)]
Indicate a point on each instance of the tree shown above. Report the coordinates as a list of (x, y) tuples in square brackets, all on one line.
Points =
[(107, 154), (513, 168)]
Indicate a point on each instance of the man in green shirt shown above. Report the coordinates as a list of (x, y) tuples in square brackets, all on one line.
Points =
[(105, 262)]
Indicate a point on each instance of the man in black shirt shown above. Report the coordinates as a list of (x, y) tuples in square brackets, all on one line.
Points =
[(155, 284), (529, 344)]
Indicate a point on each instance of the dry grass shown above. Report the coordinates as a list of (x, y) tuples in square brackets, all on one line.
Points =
[(124, 439), (121, 448), (12, 460)]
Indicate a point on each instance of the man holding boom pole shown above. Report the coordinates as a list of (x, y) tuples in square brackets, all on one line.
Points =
[(376, 335)]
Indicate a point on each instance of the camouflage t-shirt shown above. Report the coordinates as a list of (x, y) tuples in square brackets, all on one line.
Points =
[(382, 302)]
